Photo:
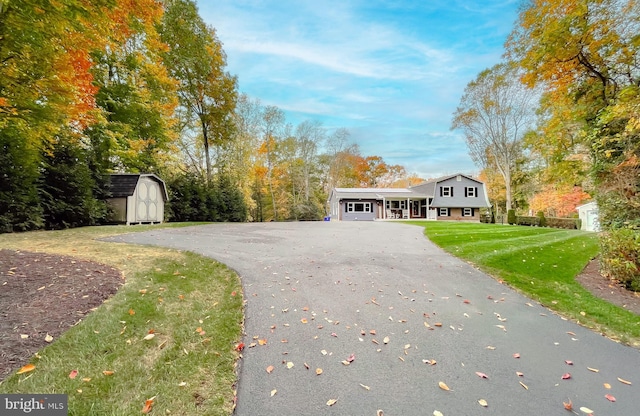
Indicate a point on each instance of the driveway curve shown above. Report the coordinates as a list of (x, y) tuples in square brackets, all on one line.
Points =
[(384, 316)]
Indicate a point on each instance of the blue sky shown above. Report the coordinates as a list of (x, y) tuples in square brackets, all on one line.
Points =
[(392, 72)]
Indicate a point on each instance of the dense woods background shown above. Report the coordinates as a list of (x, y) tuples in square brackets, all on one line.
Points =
[(89, 88)]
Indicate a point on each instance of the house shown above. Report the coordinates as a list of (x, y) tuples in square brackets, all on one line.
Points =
[(588, 214), (455, 197), (137, 198)]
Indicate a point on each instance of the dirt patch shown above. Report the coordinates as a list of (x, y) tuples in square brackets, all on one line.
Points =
[(44, 294), (609, 290)]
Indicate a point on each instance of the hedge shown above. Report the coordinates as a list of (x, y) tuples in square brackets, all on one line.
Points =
[(568, 223)]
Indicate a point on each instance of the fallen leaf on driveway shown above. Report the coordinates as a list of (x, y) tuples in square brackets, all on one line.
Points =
[(318, 371), (566, 376), (331, 402), (595, 370), (624, 381), (610, 397), (483, 403), (481, 375), (270, 369), (586, 410), (568, 406), (443, 386), (273, 392), (516, 355)]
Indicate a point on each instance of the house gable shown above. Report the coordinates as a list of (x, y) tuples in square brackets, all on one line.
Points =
[(459, 191)]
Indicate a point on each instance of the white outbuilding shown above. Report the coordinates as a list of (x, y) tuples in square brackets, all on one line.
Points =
[(137, 198), (588, 214)]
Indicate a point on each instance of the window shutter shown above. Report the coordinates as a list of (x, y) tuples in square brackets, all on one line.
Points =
[(476, 192), (441, 191), (472, 212), (465, 192), (452, 191)]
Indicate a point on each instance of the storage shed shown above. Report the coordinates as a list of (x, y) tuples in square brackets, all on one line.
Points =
[(588, 213), (137, 198)]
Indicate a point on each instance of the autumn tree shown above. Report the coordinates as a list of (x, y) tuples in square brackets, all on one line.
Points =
[(206, 91), (495, 112), (586, 53)]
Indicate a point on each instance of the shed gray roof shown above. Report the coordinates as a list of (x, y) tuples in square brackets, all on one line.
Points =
[(122, 185)]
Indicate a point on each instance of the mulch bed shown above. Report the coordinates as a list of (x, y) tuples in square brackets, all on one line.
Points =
[(44, 294)]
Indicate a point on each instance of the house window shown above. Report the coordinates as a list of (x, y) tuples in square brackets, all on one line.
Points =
[(471, 192), (443, 212), (359, 207), (467, 212), (446, 191)]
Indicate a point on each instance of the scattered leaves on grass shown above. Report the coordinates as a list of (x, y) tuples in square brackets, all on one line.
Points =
[(107, 372), (623, 381), (443, 386), (240, 347), (149, 337), (481, 375), (270, 369), (331, 402), (483, 403), (148, 404), (610, 397), (26, 368), (566, 376), (73, 374)]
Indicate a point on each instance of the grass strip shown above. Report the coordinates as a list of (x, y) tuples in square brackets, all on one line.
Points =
[(170, 332), (541, 263)]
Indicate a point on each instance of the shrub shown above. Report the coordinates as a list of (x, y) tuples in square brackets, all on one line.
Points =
[(620, 259), (511, 216), (542, 221), (525, 220), (567, 223)]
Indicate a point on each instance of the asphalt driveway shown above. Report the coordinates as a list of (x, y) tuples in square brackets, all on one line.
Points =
[(384, 316)]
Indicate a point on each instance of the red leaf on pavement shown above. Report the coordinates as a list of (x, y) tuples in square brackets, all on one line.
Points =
[(351, 358), (610, 397), (516, 355), (568, 406), (481, 375), (568, 362), (566, 376)]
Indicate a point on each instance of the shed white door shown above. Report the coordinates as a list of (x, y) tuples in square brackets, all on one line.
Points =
[(149, 201)]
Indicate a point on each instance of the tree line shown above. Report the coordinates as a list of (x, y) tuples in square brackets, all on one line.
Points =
[(93, 88), (558, 121)]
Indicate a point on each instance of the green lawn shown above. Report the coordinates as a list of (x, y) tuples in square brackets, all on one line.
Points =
[(191, 304), (541, 263)]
